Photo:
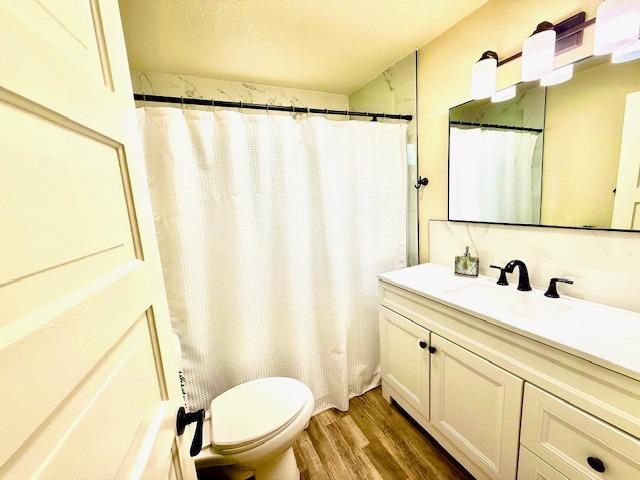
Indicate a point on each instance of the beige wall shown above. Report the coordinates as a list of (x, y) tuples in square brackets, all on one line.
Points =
[(582, 138), (444, 75)]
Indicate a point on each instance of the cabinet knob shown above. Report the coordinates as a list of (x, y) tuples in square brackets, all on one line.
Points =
[(432, 349), (596, 464), (423, 344)]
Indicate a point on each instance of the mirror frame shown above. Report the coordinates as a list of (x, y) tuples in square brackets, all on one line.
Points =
[(481, 222)]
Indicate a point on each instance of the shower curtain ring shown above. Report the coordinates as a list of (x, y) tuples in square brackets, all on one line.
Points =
[(240, 108), (213, 106), (181, 102), (266, 106), (144, 100)]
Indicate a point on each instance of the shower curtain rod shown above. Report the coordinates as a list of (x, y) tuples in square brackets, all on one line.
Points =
[(263, 106), (491, 125)]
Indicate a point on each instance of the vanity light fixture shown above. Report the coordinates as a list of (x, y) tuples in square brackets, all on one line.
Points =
[(538, 52), (632, 52), (483, 76), (557, 76), (617, 25), (504, 94)]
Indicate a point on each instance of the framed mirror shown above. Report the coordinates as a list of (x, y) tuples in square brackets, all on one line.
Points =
[(566, 155)]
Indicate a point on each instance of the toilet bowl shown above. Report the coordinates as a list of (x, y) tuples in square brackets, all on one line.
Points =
[(250, 429)]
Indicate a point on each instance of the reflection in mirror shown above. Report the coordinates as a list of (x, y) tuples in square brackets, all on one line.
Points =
[(495, 159), (565, 155)]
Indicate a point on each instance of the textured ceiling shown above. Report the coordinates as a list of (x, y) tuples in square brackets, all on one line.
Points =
[(328, 45)]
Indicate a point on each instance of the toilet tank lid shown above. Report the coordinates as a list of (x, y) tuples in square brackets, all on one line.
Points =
[(252, 410)]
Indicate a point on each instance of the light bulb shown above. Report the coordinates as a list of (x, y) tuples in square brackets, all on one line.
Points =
[(483, 76), (538, 52), (504, 94), (557, 76), (617, 25)]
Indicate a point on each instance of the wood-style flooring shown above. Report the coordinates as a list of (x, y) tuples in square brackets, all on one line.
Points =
[(373, 440)]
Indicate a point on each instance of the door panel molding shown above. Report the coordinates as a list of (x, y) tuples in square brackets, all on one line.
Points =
[(81, 414), (88, 316)]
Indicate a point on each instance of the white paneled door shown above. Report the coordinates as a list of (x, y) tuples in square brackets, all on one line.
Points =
[(89, 384)]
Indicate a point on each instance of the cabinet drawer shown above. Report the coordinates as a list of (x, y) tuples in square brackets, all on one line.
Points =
[(531, 467), (574, 442)]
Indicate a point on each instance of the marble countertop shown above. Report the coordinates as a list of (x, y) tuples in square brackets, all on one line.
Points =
[(604, 335)]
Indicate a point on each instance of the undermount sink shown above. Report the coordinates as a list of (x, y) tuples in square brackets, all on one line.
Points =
[(527, 305)]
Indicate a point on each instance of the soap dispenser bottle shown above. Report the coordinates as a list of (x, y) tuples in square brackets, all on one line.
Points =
[(467, 265)]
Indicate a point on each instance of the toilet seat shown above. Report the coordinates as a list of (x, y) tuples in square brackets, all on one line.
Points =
[(252, 413)]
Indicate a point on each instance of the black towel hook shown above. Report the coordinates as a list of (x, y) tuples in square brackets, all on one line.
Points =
[(422, 182)]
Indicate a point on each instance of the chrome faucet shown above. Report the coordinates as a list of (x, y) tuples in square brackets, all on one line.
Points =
[(523, 280)]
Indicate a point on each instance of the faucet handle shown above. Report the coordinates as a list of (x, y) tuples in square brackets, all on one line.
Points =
[(503, 277), (552, 291)]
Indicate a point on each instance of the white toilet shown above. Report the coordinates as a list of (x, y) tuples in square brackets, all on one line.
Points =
[(250, 429)]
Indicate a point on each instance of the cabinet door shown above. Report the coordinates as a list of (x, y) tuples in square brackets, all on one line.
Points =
[(531, 467), (477, 406), (405, 358)]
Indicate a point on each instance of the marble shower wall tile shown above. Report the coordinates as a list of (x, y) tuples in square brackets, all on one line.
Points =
[(605, 266), (393, 91), (154, 83)]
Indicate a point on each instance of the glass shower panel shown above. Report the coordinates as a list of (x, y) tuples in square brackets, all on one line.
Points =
[(395, 91)]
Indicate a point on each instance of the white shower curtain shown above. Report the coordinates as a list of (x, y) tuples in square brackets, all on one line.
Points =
[(492, 176), (271, 231)]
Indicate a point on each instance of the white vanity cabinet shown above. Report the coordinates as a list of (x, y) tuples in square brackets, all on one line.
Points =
[(505, 402), (472, 403)]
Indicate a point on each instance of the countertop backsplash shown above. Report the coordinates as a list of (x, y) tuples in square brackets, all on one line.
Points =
[(604, 265)]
